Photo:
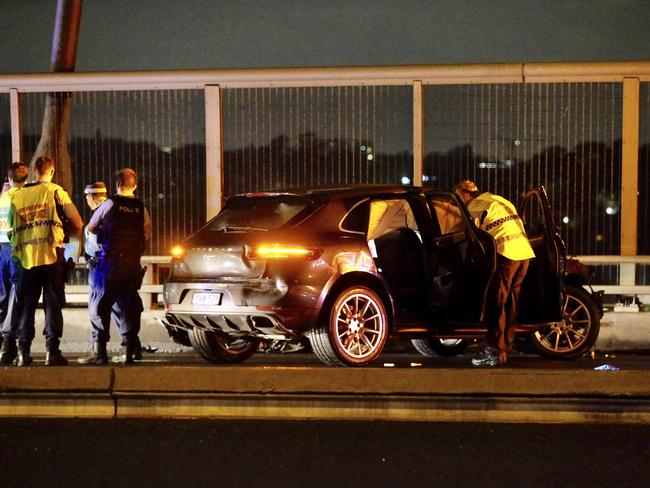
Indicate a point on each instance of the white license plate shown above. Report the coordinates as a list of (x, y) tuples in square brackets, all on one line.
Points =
[(206, 299)]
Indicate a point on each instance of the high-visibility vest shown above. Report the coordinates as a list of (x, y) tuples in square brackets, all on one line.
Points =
[(499, 218), (37, 227), (5, 205)]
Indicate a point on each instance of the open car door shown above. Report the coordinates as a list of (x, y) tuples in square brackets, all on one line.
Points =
[(542, 294), (462, 261)]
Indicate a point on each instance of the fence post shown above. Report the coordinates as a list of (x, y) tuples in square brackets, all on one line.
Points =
[(630, 167), (16, 132), (213, 151), (418, 129)]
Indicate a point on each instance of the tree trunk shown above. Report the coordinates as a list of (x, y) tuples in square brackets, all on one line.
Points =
[(56, 119)]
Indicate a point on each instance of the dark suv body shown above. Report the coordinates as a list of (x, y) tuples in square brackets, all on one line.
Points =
[(348, 268)]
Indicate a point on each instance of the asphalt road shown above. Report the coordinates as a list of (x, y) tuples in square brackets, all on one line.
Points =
[(124, 453)]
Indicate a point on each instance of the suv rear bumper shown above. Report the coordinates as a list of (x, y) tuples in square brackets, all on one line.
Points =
[(246, 324)]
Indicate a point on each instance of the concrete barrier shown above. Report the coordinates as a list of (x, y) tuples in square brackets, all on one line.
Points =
[(428, 394)]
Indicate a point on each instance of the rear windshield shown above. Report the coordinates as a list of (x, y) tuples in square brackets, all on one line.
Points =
[(244, 214)]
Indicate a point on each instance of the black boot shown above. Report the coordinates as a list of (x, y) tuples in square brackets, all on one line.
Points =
[(137, 350), (126, 354), (24, 357), (8, 351), (55, 358), (97, 355)]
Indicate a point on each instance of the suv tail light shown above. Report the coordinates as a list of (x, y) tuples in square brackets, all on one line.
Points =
[(178, 252), (279, 251)]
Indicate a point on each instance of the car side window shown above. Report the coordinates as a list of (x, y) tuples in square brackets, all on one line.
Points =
[(448, 214), (357, 219), (389, 215)]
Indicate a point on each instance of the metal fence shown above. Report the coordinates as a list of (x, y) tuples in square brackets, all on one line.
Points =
[(313, 136), (160, 134), (197, 137)]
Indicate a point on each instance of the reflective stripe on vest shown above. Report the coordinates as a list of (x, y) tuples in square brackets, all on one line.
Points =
[(37, 228), (504, 225), (5, 205)]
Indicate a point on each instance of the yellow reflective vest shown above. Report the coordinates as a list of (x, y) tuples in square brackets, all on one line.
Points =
[(499, 218), (37, 230), (5, 205)]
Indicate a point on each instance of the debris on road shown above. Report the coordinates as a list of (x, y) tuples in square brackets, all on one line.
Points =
[(606, 367)]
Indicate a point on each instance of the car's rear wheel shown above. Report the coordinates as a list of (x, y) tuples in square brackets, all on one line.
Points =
[(576, 333), (439, 347), (356, 329), (222, 349)]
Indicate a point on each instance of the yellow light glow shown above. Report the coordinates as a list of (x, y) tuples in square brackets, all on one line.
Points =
[(178, 252), (282, 252), (274, 251)]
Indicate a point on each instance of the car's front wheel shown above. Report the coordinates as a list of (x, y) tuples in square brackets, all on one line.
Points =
[(221, 349), (356, 329), (576, 333)]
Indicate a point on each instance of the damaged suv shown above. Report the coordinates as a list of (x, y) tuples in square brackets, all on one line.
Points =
[(349, 268)]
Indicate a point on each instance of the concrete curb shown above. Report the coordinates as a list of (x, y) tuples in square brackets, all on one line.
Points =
[(432, 394)]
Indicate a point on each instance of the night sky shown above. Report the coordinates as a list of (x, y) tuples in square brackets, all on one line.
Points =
[(182, 34)]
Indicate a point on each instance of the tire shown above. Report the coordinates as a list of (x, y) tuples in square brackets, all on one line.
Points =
[(356, 329), (576, 333), (440, 347), (221, 349)]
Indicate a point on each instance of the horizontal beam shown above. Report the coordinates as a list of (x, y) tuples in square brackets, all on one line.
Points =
[(329, 76), (586, 72), (613, 259), (622, 290)]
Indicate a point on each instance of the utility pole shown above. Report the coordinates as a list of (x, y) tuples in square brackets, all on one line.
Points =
[(56, 119)]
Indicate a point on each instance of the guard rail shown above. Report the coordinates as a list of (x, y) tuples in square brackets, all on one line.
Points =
[(152, 284)]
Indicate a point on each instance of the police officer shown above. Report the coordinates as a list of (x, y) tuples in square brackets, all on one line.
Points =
[(122, 225), (38, 214), (499, 218), (96, 194), (16, 177)]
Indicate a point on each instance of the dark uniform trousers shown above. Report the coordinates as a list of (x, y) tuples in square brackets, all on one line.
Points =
[(502, 300), (116, 280), (48, 279), (116, 314), (10, 279), (6, 273)]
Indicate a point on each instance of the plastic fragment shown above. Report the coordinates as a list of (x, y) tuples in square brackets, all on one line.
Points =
[(606, 367)]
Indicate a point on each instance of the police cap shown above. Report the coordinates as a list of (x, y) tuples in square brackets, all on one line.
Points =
[(97, 187)]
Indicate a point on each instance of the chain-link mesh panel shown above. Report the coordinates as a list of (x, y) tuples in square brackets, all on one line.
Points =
[(305, 137), (160, 134), (509, 138)]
